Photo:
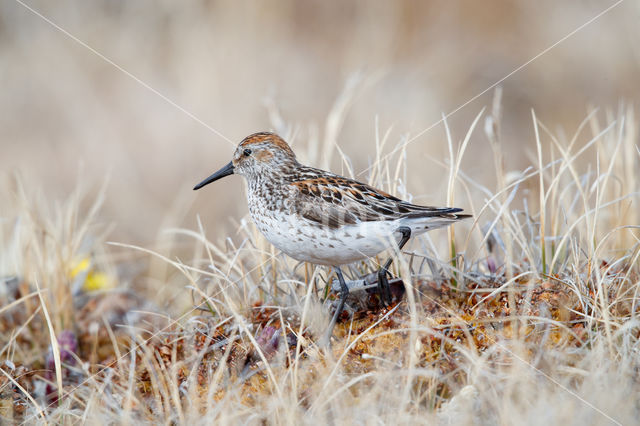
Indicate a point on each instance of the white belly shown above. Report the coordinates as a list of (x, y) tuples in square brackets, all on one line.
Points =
[(305, 241)]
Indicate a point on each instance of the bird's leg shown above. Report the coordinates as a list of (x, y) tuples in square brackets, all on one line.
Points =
[(383, 282), (344, 293)]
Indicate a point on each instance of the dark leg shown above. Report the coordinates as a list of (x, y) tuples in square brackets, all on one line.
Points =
[(344, 293), (383, 282)]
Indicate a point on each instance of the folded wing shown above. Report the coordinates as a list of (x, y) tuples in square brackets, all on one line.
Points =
[(348, 202)]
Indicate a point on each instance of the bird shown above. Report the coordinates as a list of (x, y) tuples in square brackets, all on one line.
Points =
[(323, 218)]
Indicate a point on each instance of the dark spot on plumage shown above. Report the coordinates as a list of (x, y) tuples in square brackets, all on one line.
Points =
[(383, 210), (333, 222), (326, 197), (389, 196), (332, 246), (356, 194), (359, 236), (421, 214)]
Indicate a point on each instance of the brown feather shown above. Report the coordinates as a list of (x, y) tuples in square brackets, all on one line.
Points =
[(336, 201)]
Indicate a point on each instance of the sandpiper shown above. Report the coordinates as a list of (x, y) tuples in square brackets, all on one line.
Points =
[(319, 217)]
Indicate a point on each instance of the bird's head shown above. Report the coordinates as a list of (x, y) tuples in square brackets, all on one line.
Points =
[(259, 154)]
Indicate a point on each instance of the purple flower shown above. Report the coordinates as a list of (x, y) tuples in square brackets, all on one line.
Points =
[(68, 345), (268, 340)]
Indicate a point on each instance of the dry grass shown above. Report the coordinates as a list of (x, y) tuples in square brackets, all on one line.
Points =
[(528, 314)]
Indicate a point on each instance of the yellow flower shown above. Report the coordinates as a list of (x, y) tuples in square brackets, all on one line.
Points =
[(93, 280), (98, 281), (80, 266)]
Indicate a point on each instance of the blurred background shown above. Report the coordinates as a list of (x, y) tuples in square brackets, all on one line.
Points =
[(67, 115)]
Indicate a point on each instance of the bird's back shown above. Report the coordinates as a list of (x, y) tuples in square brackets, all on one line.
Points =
[(336, 201)]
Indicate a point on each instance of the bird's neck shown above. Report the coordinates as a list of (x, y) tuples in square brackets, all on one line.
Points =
[(272, 176), (267, 189)]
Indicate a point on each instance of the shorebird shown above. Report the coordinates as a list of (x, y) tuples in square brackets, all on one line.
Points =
[(319, 217)]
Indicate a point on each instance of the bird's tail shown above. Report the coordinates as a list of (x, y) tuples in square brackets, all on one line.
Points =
[(423, 223)]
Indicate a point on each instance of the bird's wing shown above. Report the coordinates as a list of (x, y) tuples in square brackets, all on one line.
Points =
[(336, 201)]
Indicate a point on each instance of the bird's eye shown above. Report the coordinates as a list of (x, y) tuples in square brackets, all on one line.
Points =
[(246, 152)]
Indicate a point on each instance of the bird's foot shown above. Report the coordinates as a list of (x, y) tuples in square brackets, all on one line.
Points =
[(384, 290), (344, 293), (369, 284)]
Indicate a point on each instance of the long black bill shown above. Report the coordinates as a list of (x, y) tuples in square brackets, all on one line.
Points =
[(225, 171)]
